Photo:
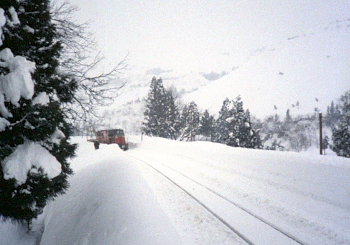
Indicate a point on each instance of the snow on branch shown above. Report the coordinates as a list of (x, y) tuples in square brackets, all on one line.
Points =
[(3, 124), (18, 82), (14, 17), (30, 156), (42, 99), (2, 23)]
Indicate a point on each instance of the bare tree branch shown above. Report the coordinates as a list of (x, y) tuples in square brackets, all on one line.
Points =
[(95, 89)]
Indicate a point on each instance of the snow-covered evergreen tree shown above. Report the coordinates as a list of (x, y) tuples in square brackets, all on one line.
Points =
[(34, 134), (172, 117), (189, 122), (241, 132), (341, 131), (288, 118), (206, 127), (332, 116), (156, 112), (161, 116), (272, 133), (233, 126), (221, 130)]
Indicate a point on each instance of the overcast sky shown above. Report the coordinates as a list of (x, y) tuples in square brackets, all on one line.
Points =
[(199, 35)]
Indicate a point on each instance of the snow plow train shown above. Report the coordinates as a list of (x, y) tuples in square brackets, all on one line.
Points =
[(111, 136)]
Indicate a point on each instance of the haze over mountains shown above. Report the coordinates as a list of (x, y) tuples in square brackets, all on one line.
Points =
[(312, 68)]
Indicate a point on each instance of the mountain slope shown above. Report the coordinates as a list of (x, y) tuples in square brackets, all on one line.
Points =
[(299, 68)]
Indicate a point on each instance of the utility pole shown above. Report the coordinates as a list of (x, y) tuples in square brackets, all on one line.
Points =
[(321, 140)]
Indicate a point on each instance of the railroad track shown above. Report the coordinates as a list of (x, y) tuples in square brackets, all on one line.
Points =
[(250, 227)]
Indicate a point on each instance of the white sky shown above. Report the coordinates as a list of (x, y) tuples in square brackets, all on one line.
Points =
[(195, 35)]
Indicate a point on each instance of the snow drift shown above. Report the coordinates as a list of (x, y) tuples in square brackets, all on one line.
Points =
[(108, 203)]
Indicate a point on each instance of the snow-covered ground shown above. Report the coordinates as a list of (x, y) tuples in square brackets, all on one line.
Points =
[(108, 203), (151, 194), (303, 194)]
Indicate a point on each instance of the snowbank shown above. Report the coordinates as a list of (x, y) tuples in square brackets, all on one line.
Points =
[(108, 203), (15, 234)]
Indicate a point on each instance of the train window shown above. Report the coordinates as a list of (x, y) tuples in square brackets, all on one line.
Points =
[(120, 132), (115, 132), (111, 133)]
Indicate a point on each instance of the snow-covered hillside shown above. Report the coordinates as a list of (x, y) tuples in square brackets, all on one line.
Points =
[(311, 64), (308, 65), (170, 192)]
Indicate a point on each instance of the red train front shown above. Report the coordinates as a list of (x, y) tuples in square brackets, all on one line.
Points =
[(112, 136)]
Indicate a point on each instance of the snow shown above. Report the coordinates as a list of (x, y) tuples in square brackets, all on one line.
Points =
[(57, 136), (2, 23), (3, 110), (28, 125), (193, 223), (29, 29), (116, 198), (3, 124), (14, 16), (108, 203), (304, 194), (15, 234), (18, 82), (41, 99), (30, 156), (312, 60)]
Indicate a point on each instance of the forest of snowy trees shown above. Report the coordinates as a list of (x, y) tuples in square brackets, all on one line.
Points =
[(164, 117), (234, 126)]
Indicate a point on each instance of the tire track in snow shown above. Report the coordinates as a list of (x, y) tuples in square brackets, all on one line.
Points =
[(293, 239)]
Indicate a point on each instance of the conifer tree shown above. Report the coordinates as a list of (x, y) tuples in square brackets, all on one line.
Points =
[(234, 127), (333, 115), (341, 131), (221, 131), (156, 112), (288, 118), (239, 127), (33, 131), (190, 122), (172, 117), (206, 125)]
